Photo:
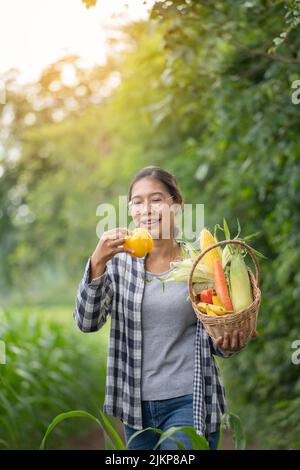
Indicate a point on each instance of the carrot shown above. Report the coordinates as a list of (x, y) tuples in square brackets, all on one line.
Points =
[(221, 285)]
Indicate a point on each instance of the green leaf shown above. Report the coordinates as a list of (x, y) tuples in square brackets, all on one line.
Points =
[(278, 41), (238, 434), (108, 444), (137, 433), (252, 235), (216, 233), (4, 443), (223, 425), (198, 442), (216, 228), (108, 427), (239, 229), (64, 416), (259, 254), (226, 229)]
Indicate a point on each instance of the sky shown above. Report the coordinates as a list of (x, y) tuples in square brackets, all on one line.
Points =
[(35, 33)]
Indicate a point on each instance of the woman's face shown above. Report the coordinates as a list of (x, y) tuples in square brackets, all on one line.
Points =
[(152, 207)]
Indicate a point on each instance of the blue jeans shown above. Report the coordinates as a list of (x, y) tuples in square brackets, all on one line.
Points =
[(163, 414)]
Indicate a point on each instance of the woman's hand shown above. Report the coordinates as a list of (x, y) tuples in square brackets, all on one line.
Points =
[(111, 243), (233, 342)]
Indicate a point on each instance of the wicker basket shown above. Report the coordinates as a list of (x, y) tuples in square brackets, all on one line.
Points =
[(243, 320)]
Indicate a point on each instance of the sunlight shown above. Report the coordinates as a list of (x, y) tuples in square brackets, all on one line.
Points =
[(39, 33)]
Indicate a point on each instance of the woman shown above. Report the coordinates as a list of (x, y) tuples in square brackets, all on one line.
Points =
[(160, 368)]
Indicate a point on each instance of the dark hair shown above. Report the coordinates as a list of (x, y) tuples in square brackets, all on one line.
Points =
[(166, 178)]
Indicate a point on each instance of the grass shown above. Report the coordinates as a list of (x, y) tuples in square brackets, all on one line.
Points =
[(50, 367)]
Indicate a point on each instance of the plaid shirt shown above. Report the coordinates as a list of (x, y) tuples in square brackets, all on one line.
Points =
[(119, 292)]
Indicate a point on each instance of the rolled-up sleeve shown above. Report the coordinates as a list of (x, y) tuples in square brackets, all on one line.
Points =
[(93, 300)]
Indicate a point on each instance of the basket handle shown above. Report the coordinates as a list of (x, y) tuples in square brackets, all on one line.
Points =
[(215, 245)]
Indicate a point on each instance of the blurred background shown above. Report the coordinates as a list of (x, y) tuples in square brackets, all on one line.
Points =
[(94, 91)]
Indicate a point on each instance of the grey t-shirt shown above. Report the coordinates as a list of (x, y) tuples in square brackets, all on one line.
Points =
[(168, 333)]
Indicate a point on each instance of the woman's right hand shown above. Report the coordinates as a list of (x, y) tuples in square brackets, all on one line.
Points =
[(110, 243)]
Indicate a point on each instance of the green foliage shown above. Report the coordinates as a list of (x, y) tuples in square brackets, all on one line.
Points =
[(204, 90), (292, 19), (198, 442), (229, 420), (113, 439), (232, 421), (50, 367)]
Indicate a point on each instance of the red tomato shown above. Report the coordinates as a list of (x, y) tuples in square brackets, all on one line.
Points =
[(206, 296)]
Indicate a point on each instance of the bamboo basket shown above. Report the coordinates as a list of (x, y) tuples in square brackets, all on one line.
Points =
[(243, 320)]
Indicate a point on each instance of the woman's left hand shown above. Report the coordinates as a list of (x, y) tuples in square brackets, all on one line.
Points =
[(232, 342)]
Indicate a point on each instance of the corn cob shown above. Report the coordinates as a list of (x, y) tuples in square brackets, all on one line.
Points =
[(241, 294), (206, 240)]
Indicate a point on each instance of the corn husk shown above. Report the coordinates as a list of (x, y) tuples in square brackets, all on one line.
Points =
[(241, 293), (181, 270)]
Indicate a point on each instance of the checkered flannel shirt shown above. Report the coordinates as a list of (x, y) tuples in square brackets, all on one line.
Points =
[(119, 292)]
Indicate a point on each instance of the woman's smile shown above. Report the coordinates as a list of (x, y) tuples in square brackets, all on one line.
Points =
[(149, 223)]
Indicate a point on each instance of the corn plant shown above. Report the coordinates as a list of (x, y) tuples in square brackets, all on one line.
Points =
[(113, 440), (50, 366)]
